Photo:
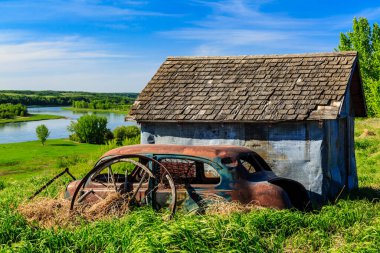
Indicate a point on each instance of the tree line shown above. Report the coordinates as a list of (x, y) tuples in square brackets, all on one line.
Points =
[(65, 98), (10, 111), (365, 39), (122, 105), (35, 100)]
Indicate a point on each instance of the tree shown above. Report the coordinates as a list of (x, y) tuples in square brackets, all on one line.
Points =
[(42, 133), (125, 132), (89, 129), (367, 42)]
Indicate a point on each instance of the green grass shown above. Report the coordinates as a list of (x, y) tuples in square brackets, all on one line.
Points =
[(351, 225), (26, 159), (31, 117), (96, 110), (368, 152)]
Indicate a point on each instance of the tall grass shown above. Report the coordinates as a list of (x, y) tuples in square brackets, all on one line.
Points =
[(351, 225)]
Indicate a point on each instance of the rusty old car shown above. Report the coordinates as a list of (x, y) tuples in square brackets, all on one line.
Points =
[(187, 177)]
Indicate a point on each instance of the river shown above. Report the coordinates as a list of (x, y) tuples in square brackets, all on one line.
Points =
[(26, 131)]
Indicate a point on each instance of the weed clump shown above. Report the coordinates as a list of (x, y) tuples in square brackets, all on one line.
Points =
[(66, 161), (2, 185)]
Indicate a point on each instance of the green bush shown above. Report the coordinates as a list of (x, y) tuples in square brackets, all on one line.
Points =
[(122, 133), (74, 137), (108, 136), (89, 129)]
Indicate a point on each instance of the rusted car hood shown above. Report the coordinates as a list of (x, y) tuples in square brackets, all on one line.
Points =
[(210, 152)]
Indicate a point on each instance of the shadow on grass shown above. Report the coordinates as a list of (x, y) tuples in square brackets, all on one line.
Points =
[(10, 163), (366, 193), (62, 145)]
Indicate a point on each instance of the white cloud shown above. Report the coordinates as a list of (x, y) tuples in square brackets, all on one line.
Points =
[(69, 63), (208, 49), (54, 49), (40, 10)]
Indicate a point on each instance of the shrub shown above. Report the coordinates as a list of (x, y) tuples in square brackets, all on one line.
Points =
[(42, 133), (125, 132), (74, 137), (108, 136), (9, 111), (90, 129), (132, 131), (131, 141)]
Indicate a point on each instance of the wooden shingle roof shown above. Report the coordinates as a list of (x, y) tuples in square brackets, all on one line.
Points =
[(248, 88)]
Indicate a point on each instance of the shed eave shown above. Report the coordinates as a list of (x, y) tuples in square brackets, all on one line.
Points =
[(227, 121)]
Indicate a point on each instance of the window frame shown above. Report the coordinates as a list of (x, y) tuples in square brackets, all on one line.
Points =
[(214, 165)]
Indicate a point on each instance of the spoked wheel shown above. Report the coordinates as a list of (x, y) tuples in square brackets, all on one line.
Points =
[(117, 184)]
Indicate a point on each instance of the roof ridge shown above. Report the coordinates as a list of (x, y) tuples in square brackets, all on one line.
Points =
[(269, 56)]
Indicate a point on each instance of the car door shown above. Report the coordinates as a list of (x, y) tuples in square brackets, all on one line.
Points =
[(197, 180)]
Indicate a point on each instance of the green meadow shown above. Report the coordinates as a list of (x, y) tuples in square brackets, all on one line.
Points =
[(351, 224), (27, 159)]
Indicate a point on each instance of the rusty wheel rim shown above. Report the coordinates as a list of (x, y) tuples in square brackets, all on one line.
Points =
[(155, 175)]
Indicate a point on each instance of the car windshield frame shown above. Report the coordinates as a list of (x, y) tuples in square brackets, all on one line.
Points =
[(252, 158)]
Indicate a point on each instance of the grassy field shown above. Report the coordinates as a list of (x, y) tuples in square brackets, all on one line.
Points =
[(350, 225), (31, 117), (26, 159)]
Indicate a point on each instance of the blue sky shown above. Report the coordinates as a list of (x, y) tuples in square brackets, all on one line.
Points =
[(116, 46)]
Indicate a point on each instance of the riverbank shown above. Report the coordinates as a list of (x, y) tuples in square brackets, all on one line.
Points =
[(31, 117), (96, 110), (26, 131)]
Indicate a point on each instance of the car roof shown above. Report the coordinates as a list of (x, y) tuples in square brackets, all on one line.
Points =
[(210, 152)]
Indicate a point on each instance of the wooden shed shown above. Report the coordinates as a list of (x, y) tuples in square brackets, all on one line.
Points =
[(297, 111)]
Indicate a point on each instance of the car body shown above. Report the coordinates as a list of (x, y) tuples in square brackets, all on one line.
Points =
[(199, 173)]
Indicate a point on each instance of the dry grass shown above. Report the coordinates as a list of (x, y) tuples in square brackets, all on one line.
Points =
[(48, 212), (113, 205), (367, 133), (52, 213), (218, 205)]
